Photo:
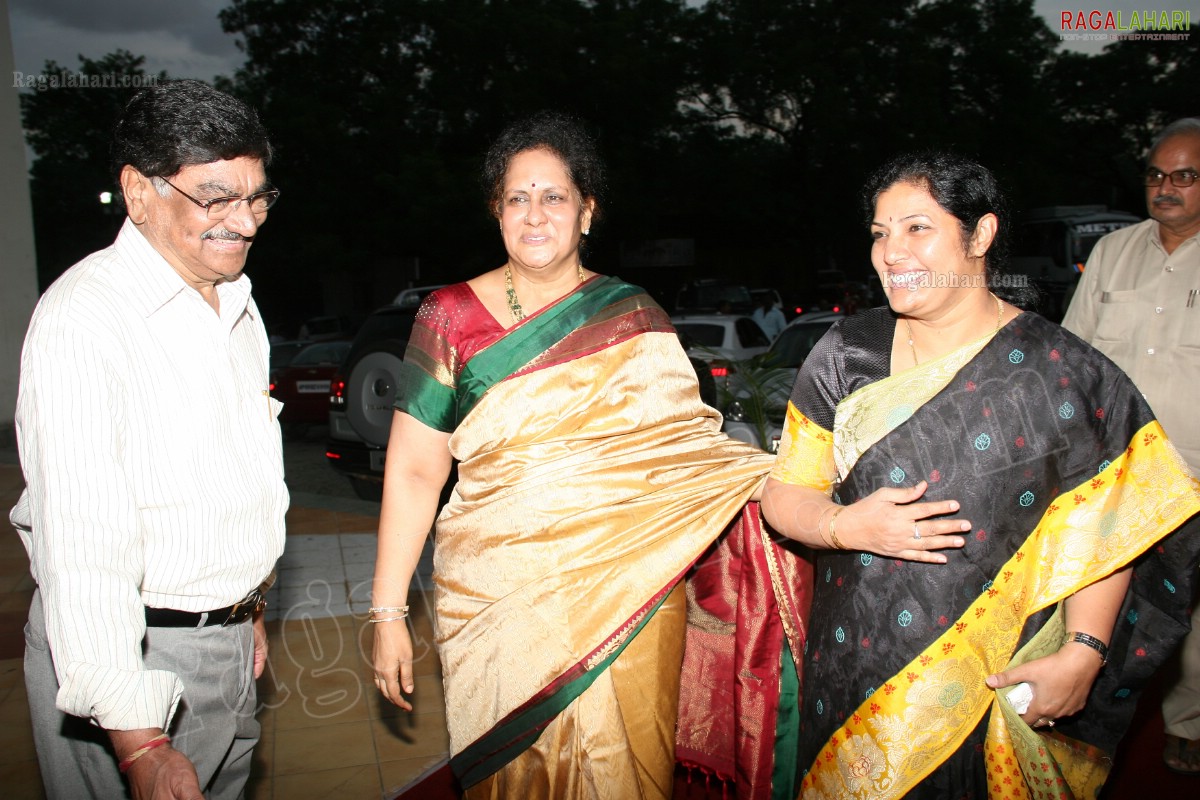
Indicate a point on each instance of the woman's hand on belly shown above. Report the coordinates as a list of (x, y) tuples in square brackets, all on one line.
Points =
[(893, 523)]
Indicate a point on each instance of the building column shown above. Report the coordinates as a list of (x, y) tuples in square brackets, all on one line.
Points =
[(18, 262)]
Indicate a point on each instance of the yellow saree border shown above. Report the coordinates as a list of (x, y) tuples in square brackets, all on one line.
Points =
[(1027, 764), (910, 724), (809, 453)]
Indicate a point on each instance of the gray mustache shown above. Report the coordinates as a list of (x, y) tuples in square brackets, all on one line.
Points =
[(223, 234)]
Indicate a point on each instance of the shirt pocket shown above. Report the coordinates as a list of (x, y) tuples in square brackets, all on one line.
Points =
[(1117, 318), (264, 426), (1189, 326)]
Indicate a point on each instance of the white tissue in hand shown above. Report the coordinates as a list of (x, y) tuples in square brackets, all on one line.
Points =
[(1019, 697)]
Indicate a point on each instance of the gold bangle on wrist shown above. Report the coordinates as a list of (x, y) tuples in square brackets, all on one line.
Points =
[(821, 519), (1087, 640), (401, 612), (833, 528), (389, 609)]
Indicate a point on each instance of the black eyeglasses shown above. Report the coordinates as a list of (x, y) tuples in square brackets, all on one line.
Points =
[(222, 207), (1180, 177)]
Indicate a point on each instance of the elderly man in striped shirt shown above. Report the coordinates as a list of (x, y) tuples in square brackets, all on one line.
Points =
[(153, 513)]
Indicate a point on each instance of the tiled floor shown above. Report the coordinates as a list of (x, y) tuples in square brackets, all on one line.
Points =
[(327, 733)]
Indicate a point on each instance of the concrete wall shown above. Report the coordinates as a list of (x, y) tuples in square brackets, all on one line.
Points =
[(18, 265)]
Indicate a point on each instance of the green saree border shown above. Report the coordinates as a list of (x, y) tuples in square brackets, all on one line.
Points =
[(522, 728), (443, 407), (533, 337)]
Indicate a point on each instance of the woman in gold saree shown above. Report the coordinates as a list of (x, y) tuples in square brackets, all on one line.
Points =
[(590, 477), (1029, 489)]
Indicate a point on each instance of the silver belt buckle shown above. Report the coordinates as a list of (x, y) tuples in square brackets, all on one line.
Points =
[(245, 607)]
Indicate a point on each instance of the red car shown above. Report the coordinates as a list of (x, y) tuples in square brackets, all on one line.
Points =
[(303, 384)]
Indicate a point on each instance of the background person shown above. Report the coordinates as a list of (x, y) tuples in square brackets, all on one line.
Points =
[(1137, 303), (591, 475), (768, 317), (155, 499), (992, 480)]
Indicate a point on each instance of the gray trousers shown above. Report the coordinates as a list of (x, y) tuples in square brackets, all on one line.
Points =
[(214, 725)]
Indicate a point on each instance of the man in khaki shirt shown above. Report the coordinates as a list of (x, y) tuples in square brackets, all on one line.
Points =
[(1139, 303)]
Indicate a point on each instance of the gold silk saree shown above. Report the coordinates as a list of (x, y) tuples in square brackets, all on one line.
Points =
[(591, 477)]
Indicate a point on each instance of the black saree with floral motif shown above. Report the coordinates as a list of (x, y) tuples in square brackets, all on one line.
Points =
[(1066, 477)]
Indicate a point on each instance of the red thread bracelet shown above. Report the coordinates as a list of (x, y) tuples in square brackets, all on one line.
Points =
[(157, 741)]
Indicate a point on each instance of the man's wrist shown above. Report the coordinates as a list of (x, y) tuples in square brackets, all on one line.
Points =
[(152, 744), (126, 742)]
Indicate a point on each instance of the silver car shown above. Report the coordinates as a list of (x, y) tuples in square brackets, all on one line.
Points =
[(756, 392)]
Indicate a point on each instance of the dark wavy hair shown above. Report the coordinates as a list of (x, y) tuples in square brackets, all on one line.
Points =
[(561, 134), (967, 191), (181, 123)]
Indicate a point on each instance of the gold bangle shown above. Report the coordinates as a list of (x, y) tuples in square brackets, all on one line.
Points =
[(377, 620), (820, 519), (833, 528), (389, 609)]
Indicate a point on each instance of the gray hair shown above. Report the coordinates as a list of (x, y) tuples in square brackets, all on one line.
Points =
[(1188, 126)]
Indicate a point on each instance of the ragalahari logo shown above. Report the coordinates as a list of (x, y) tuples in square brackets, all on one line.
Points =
[(1118, 25)]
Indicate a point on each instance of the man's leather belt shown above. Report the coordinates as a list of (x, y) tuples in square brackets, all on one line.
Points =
[(229, 615)]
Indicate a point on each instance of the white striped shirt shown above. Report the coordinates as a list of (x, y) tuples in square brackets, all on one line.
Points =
[(153, 463)]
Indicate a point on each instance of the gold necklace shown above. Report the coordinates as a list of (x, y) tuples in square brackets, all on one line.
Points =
[(513, 305), (999, 320)]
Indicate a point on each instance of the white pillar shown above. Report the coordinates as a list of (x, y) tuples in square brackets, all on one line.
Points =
[(18, 264)]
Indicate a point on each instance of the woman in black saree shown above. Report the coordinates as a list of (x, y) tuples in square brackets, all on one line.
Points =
[(992, 499)]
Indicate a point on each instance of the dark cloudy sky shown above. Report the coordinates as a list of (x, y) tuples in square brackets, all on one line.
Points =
[(184, 37)]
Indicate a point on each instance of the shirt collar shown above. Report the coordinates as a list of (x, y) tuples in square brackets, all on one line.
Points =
[(157, 283)]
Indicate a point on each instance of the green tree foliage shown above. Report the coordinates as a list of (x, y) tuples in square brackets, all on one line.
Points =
[(68, 121), (382, 111), (842, 86), (746, 125), (1111, 105)]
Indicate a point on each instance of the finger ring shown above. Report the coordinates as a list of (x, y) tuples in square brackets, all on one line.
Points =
[(916, 532), (1040, 722), (1050, 723)]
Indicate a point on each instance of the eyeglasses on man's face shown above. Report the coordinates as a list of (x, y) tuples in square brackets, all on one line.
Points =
[(1180, 177), (222, 207)]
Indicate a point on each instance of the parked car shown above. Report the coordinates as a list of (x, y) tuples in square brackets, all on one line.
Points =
[(324, 329), (411, 298), (360, 399), (720, 339), (1052, 246), (756, 394), (282, 353), (302, 385)]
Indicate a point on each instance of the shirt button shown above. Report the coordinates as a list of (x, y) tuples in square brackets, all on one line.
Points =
[(1150, 351), (1158, 310), (1170, 269)]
